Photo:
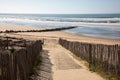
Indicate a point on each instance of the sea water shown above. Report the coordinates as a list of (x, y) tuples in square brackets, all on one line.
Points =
[(94, 25)]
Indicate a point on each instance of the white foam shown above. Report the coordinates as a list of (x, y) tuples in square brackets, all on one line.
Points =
[(56, 21)]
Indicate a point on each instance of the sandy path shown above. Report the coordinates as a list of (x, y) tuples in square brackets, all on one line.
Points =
[(44, 70), (63, 67)]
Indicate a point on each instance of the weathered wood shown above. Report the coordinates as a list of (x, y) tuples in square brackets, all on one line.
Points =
[(18, 65), (106, 56), (9, 42)]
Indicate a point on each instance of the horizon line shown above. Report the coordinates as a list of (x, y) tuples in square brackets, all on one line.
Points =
[(59, 13)]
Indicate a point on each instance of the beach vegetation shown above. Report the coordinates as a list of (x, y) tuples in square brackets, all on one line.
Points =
[(35, 67), (12, 50), (107, 75)]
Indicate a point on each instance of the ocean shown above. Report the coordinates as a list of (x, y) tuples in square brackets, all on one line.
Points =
[(93, 25)]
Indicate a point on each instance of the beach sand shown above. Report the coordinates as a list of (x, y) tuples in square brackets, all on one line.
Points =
[(4, 27), (61, 72), (56, 35)]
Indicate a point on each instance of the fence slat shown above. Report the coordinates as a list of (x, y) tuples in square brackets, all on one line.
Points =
[(18, 65), (107, 56)]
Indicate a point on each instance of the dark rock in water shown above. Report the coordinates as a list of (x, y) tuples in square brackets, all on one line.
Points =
[(45, 30)]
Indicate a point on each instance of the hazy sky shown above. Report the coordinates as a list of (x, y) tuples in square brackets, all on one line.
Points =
[(60, 6)]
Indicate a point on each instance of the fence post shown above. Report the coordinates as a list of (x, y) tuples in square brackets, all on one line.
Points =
[(118, 72), (90, 55)]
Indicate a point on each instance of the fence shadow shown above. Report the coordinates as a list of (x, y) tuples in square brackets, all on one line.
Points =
[(45, 68)]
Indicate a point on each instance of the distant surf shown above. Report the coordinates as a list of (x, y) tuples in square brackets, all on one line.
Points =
[(95, 25)]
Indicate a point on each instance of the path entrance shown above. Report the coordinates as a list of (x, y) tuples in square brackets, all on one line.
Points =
[(58, 64)]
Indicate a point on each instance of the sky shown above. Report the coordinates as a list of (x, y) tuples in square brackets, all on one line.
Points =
[(60, 6)]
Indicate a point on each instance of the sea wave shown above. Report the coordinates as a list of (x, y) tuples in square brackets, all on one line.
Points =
[(59, 19), (62, 22), (105, 27)]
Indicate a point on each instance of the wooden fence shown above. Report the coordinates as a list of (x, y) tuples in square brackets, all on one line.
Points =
[(9, 42), (18, 65), (105, 56)]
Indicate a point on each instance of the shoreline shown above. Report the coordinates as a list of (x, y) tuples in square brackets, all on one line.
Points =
[(57, 35), (100, 36)]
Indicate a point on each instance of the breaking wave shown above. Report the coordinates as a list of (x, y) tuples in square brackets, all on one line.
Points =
[(92, 26)]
